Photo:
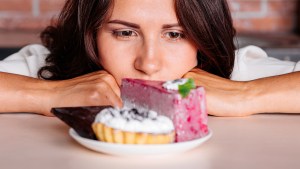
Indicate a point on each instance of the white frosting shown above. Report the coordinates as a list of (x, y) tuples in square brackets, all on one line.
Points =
[(173, 84), (130, 120)]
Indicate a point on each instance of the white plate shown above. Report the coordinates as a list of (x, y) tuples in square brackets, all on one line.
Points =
[(132, 149)]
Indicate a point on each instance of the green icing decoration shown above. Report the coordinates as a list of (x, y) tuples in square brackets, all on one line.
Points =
[(185, 89)]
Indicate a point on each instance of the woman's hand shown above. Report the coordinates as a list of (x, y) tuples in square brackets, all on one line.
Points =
[(224, 97), (94, 89)]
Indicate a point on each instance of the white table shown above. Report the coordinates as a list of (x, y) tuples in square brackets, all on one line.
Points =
[(259, 141)]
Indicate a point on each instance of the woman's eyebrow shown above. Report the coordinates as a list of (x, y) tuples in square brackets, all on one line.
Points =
[(166, 26), (133, 25)]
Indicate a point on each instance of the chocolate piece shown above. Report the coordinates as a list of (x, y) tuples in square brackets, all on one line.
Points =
[(79, 118)]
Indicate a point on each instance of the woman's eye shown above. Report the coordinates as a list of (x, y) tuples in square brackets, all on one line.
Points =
[(174, 36), (124, 34)]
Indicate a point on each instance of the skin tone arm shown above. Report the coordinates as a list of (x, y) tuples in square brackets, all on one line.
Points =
[(224, 97), (25, 94), (266, 95)]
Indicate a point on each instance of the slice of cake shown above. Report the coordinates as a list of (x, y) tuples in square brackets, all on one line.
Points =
[(179, 100), (131, 126)]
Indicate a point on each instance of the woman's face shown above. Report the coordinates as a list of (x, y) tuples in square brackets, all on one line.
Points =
[(142, 39)]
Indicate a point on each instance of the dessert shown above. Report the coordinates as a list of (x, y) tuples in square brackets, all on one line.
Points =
[(179, 103), (130, 126), (180, 100)]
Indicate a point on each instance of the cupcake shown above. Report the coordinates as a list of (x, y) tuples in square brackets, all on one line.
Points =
[(132, 126)]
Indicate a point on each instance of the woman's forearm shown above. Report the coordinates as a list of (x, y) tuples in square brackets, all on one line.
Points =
[(233, 98), (276, 94), (23, 94)]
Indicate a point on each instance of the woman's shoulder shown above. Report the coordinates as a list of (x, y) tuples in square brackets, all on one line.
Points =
[(33, 50), (249, 52), (27, 61), (252, 62)]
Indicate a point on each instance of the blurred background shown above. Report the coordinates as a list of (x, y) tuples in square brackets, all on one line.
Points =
[(271, 24)]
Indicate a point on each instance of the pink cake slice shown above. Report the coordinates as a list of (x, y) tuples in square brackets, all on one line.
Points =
[(188, 114)]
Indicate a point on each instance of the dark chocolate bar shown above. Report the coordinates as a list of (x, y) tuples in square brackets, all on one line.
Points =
[(79, 118)]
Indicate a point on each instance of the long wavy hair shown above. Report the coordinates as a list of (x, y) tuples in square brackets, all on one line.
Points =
[(71, 40)]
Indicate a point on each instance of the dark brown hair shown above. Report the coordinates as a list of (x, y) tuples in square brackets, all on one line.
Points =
[(72, 39), (209, 24)]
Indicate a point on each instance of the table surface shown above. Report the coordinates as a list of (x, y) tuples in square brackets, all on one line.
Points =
[(258, 141)]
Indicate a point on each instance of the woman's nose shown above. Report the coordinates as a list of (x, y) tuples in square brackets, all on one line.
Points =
[(149, 58)]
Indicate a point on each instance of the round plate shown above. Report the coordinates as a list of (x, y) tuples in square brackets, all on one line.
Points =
[(134, 149)]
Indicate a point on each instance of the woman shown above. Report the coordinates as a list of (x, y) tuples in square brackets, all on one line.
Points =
[(95, 44)]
